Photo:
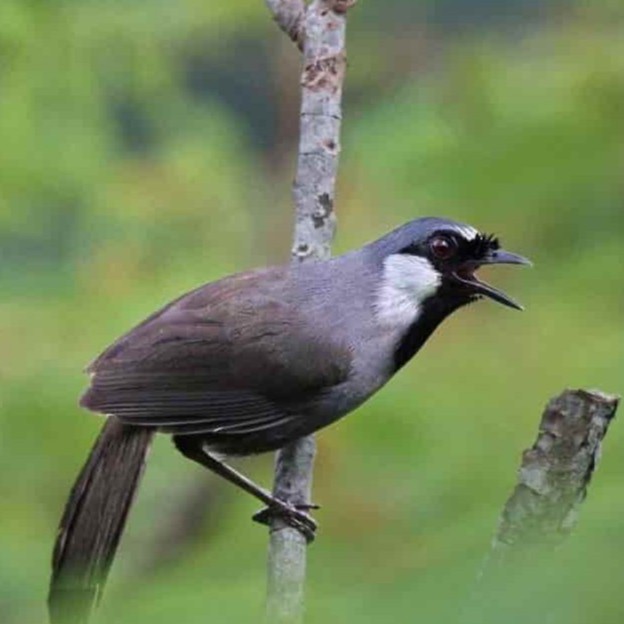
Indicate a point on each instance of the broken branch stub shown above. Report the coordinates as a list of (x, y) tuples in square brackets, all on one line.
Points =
[(556, 471)]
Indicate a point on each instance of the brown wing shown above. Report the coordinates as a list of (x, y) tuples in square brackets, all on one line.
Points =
[(228, 357)]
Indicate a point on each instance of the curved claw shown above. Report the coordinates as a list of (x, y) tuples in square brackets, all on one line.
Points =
[(293, 516)]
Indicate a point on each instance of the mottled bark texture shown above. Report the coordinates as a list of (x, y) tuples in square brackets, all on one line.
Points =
[(318, 29), (555, 472)]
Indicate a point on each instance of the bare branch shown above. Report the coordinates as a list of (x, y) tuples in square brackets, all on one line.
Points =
[(287, 547), (321, 115), (289, 16), (552, 483), (555, 472), (321, 27)]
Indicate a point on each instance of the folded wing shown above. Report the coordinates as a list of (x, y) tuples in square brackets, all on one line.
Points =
[(232, 357)]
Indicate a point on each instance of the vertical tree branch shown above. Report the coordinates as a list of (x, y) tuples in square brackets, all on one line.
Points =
[(554, 474), (286, 566), (319, 30)]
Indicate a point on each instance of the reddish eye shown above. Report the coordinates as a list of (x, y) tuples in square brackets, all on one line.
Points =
[(443, 247)]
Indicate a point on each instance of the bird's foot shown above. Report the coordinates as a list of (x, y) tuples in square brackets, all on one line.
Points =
[(293, 515)]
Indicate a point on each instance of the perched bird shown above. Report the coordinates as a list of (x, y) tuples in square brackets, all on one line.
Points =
[(252, 362)]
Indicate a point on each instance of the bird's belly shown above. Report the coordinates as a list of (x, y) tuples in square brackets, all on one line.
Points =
[(369, 373), (348, 396), (309, 416)]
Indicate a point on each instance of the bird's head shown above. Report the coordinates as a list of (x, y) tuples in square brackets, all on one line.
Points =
[(429, 266)]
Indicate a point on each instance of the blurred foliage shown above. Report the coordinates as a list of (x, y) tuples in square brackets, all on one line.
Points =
[(148, 147)]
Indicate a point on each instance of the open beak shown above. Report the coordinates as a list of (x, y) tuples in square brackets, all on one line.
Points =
[(466, 276)]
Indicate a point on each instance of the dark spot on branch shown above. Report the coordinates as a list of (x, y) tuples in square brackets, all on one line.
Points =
[(302, 250), (325, 209), (318, 220), (324, 74), (326, 202)]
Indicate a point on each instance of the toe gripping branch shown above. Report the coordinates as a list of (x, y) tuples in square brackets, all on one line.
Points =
[(294, 516)]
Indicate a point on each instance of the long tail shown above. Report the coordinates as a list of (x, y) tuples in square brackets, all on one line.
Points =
[(94, 519)]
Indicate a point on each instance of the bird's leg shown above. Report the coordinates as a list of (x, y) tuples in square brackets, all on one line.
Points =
[(294, 515)]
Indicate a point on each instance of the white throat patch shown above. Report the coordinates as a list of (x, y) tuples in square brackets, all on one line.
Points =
[(406, 282)]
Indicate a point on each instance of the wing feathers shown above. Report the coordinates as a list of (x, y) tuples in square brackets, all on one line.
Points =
[(231, 358), (181, 405)]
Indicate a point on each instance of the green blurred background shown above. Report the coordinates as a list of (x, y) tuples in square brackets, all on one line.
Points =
[(147, 147)]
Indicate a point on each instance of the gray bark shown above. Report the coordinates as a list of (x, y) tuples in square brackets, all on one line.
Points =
[(319, 30), (287, 546), (554, 474)]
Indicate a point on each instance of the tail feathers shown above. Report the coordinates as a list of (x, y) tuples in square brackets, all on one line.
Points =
[(94, 519)]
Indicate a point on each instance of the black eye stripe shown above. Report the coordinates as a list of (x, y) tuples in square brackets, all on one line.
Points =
[(412, 250), (476, 247)]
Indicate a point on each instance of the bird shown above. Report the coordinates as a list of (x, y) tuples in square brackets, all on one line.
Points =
[(251, 362)]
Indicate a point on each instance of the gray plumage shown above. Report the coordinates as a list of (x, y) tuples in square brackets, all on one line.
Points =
[(253, 361), (243, 355)]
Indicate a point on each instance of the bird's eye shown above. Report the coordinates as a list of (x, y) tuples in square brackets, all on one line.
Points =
[(443, 247)]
